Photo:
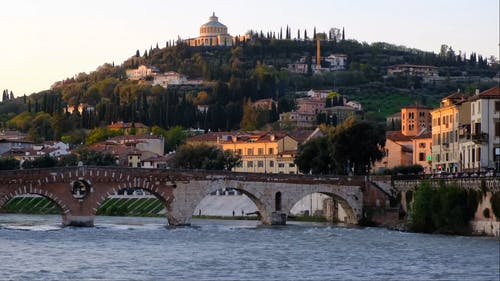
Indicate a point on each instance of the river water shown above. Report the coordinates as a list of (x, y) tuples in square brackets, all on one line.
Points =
[(132, 248)]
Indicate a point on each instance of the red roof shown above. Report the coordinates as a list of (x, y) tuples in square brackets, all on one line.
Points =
[(493, 93), (397, 136)]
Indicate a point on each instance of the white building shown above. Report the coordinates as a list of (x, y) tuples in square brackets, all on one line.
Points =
[(480, 139), (140, 73), (337, 61)]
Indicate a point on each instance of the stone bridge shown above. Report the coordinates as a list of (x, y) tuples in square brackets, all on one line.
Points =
[(79, 191), (405, 183)]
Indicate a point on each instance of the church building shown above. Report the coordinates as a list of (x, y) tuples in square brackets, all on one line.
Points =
[(212, 33)]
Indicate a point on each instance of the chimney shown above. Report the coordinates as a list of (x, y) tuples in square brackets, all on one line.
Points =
[(272, 137), (318, 54), (234, 138), (477, 92)]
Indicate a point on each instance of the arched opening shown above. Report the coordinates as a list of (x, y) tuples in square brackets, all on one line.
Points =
[(31, 211), (319, 206), (133, 202), (277, 201), (228, 203)]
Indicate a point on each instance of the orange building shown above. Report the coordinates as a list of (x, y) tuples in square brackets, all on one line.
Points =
[(414, 119), (422, 151)]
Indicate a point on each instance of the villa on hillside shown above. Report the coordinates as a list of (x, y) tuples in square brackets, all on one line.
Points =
[(141, 72)]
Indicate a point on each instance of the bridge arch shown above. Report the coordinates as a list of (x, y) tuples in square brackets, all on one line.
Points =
[(105, 190), (24, 190), (188, 196), (351, 202)]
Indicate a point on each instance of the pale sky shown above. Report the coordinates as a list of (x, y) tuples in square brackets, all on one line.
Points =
[(46, 41)]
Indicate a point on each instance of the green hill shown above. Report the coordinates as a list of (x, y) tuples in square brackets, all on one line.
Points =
[(249, 70)]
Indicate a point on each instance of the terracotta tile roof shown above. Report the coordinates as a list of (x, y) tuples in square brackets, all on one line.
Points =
[(208, 137), (426, 135), (456, 96), (300, 135), (493, 93), (397, 136)]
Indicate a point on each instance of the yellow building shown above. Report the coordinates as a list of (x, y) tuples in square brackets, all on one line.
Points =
[(263, 153), (445, 124)]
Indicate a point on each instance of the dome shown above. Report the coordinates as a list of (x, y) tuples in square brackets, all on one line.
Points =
[(213, 22)]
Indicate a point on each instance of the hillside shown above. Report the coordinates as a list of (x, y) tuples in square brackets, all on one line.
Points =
[(250, 70)]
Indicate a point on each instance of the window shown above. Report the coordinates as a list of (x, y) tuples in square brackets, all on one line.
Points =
[(260, 151), (497, 106), (497, 129), (271, 163), (260, 164), (239, 151), (281, 165), (291, 165), (270, 151), (421, 156), (249, 164), (250, 151)]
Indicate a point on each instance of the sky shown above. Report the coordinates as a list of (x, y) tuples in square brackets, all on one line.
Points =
[(47, 41)]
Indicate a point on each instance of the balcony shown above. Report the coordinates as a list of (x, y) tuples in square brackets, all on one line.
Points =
[(480, 138)]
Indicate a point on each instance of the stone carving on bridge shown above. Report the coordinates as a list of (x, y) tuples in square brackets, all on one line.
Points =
[(80, 189)]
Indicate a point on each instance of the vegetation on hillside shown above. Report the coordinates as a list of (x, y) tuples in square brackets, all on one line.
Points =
[(246, 72)]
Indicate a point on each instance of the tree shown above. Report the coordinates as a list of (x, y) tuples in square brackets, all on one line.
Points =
[(335, 152), (367, 138), (97, 158), (100, 134), (250, 116), (68, 160), (174, 137), (9, 164), (45, 161), (313, 157), (205, 157)]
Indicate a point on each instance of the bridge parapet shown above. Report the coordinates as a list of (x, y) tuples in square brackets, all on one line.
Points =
[(487, 184)]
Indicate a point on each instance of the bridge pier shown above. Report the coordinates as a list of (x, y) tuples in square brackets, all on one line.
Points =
[(278, 218), (82, 221)]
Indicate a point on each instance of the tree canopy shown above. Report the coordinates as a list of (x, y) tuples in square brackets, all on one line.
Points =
[(205, 157), (352, 147)]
